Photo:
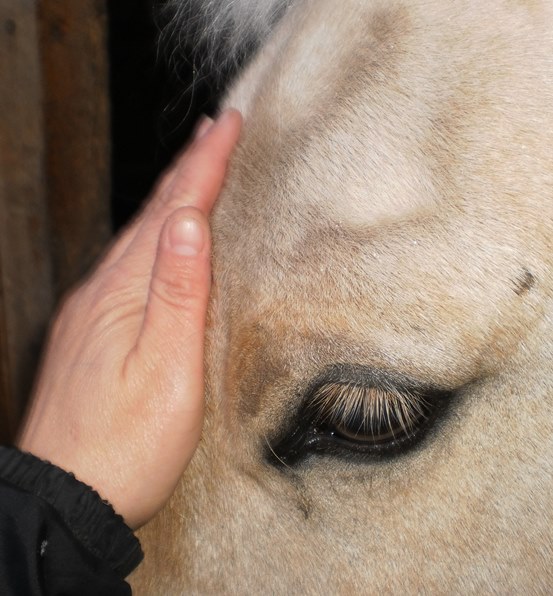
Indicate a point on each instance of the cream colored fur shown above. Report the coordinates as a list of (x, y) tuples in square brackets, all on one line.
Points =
[(390, 205)]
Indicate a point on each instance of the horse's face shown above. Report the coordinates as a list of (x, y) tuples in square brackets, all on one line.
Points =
[(380, 374)]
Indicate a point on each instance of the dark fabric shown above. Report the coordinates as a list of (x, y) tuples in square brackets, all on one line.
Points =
[(57, 536)]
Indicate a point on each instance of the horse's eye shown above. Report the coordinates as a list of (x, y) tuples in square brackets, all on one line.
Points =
[(386, 422), (370, 417), (373, 418)]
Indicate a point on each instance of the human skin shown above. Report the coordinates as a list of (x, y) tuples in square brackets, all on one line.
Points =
[(119, 399)]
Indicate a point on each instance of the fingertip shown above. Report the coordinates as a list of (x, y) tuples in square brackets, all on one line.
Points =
[(226, 127), (204, 126), (231, 122), (198, 176), (230, 117)]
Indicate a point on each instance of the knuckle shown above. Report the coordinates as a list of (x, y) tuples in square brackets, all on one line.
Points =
[(179, 288), (179, 202)]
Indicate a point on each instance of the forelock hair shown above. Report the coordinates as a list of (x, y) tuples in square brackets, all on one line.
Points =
[(218, 35)]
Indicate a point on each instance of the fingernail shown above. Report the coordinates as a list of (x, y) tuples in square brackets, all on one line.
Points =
[(186, 237), (203, 127)]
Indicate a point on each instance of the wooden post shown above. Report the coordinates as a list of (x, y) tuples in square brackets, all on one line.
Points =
[(25, 264), (75, 74), (54, 173)]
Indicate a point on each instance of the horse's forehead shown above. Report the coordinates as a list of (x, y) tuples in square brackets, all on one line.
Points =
[(383, 133), (372, 205), (349, 143)]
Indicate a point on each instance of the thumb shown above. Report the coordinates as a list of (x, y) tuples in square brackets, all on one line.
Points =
[(174, 321)]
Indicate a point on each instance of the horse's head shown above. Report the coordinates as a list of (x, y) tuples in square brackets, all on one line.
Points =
[(380, 371)]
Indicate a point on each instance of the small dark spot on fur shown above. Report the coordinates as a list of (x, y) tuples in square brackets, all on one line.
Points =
[(524, 282)]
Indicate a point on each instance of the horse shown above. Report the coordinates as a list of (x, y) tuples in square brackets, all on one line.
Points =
[(379, 365)]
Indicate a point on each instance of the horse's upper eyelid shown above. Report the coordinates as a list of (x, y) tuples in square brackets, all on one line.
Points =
[(366, 376)]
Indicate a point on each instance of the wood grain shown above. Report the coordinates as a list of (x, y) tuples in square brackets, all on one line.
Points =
[(54, 173)]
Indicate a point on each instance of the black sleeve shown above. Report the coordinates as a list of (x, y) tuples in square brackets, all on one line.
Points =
[(57, 536)]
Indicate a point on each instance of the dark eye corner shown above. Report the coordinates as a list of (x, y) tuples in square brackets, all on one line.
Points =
[(356, 411)]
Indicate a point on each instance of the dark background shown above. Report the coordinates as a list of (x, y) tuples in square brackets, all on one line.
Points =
[(153, 107)]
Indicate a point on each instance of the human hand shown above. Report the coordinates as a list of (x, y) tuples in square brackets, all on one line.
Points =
[(119, 400)]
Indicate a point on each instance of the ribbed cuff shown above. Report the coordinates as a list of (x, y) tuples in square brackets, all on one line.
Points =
[(91, 520)]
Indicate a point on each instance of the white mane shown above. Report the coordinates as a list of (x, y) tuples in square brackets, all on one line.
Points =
[(223, 33)]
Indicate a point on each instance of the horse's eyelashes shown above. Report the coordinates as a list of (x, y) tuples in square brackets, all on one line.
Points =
[(374, 414), (369, 414)]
